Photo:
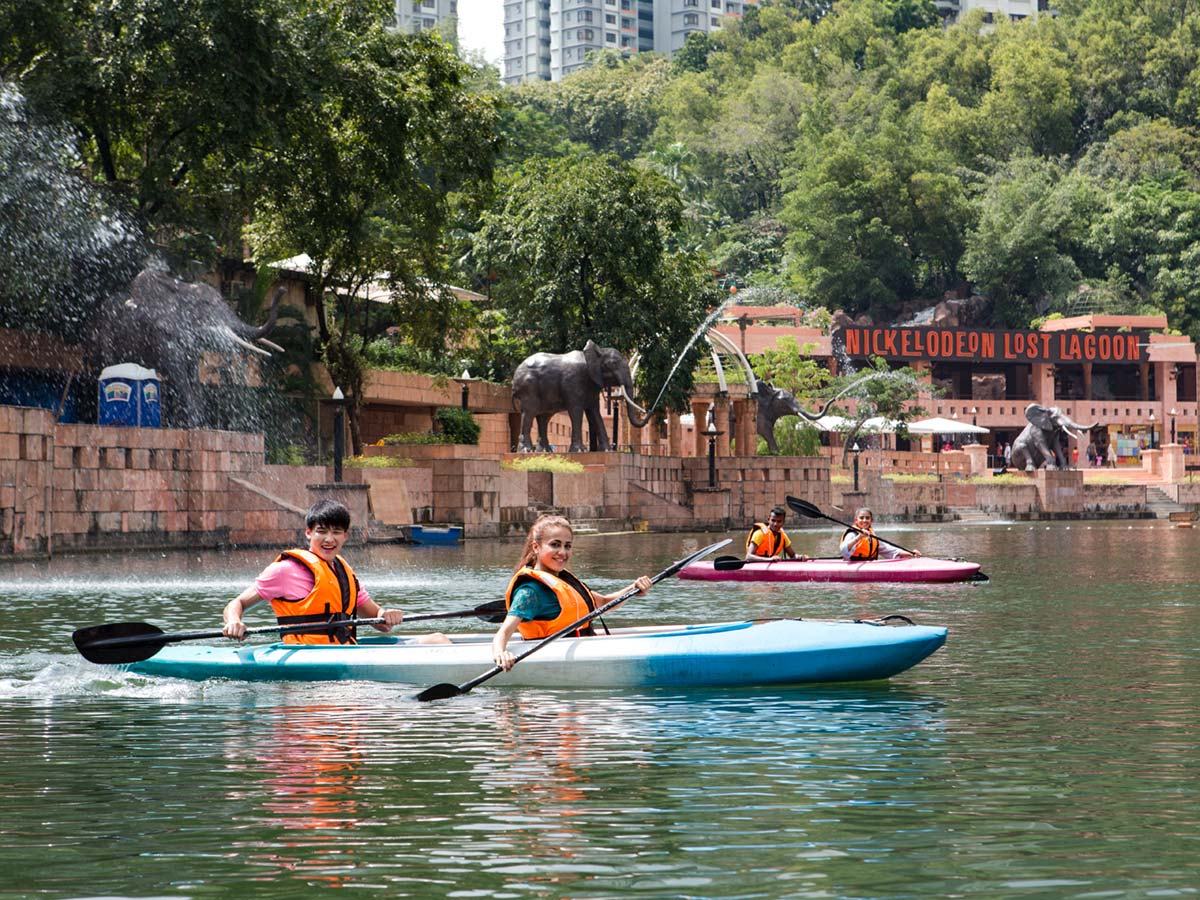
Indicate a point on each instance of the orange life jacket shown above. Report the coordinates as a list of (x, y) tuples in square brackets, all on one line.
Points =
[(574, 602), (771, 545), (865, 548), (334, 597)]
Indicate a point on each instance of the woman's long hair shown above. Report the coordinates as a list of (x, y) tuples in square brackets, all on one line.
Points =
[(528, 554)]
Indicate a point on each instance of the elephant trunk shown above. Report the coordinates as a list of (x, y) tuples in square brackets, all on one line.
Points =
[(632, 409), (254, 334)]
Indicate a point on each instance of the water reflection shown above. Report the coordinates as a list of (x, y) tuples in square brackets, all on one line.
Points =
[(1048, 750)]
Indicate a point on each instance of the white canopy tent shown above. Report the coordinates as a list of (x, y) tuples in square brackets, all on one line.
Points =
[(939, 425)]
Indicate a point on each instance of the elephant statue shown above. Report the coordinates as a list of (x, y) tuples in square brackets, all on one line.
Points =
[(774, 403), (1043, 442), (548, 383), (165, 324)]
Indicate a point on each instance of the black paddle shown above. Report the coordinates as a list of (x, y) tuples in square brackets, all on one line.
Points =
[(445, 690), (807, 509), (127, 642)]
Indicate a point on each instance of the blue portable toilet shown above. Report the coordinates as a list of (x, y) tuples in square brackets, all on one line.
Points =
[(129, 395)]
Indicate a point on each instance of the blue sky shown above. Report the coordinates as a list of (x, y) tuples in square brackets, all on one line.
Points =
[(481, 27)]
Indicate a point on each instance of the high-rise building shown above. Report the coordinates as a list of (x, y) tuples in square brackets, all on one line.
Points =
[(412, 16), (526, 41), (994, 10), (547, 39), (674, 20)]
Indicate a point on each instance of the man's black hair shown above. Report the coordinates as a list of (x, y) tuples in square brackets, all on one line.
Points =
[(329, 513), (779, 511)]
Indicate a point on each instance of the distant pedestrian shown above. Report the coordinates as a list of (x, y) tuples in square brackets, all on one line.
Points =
[(1007, 454), (1112, 453)]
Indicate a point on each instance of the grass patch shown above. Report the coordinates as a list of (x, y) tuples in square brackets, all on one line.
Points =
[(413, 437), (999, 480), (902, 478), (543, 463), (377, 462)]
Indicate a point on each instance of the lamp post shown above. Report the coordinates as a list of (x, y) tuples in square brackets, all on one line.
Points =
[(710, 431), (465, 380), (1173, 414), (339, 428), (855, 450), (1151, 431), (975, 416)]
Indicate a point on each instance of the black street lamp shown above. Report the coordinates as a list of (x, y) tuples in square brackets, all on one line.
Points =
[(1151, 431), (339, 432), (465, 380), (1173, 414), (710, 432), (856, 451), (975, 416)]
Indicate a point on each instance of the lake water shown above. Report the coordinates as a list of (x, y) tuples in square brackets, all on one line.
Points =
[(1050, 749)]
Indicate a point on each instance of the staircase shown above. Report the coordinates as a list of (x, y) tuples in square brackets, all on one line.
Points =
[(1160, 504), (969, 514)]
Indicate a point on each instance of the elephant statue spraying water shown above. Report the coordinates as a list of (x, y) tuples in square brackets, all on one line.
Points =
[(774, 403), (165, 324), (548, 383), (1043, 441)]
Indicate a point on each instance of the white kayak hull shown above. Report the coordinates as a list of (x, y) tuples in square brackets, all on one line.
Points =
[(778, 651)]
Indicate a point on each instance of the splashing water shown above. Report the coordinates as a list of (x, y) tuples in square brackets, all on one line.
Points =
[(703, 329)]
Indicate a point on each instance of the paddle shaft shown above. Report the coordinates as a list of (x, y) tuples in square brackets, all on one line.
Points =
[(807, 509), (438, 691), (306, 628)]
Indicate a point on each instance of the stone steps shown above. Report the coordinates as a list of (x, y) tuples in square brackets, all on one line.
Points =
[(1160, 504), (969, 514)]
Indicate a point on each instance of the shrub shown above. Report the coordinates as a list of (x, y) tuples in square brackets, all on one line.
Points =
[(286, 455), (543, 463), (412, 437), (458, 425)]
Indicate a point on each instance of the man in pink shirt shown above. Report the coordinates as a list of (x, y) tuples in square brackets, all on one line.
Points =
[(314, 584)]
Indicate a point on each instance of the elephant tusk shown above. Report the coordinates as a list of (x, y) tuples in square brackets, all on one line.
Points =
[(621, 394), (271, 344), (228, 334)]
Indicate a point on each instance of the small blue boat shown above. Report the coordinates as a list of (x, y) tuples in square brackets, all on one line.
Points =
[(770, 652), (446, 536)]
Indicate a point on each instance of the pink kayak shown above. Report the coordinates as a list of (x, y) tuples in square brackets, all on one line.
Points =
[(905, 569)]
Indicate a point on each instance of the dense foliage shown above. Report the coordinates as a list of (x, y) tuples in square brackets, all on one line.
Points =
[(856, 156)]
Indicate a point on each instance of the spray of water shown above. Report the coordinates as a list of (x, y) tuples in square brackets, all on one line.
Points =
[(703, 329)]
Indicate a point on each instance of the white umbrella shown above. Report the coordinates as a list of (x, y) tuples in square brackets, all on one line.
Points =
[(939, 425)]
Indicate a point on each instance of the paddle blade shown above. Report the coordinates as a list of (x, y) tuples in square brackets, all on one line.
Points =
[(119, 642), (804, 508), (728, 563), (441, 691)]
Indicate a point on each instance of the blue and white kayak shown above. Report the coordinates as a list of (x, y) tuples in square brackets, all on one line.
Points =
[(777, 651)]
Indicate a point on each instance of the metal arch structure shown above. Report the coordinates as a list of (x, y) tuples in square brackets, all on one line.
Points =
[(719, 345)]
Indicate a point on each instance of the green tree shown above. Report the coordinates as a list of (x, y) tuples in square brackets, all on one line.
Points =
[(170, 99), (611, 106), (583, 250), (1026, 250), (362, 186)]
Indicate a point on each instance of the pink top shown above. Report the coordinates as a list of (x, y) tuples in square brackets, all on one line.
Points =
[(291, 580)]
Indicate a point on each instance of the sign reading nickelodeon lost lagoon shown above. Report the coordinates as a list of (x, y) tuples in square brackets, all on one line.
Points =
[(980, 346)]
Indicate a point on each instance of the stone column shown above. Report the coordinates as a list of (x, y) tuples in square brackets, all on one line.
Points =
[(674, 435), (1168, 392), (747, 440), (721, 417), (1042, 386), (700, 414)]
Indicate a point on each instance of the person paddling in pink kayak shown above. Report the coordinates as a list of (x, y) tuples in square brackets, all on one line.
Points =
[(859, 544), (770, 541)]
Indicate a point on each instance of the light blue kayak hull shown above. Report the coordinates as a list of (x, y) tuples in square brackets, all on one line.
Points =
[(779, 651)]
